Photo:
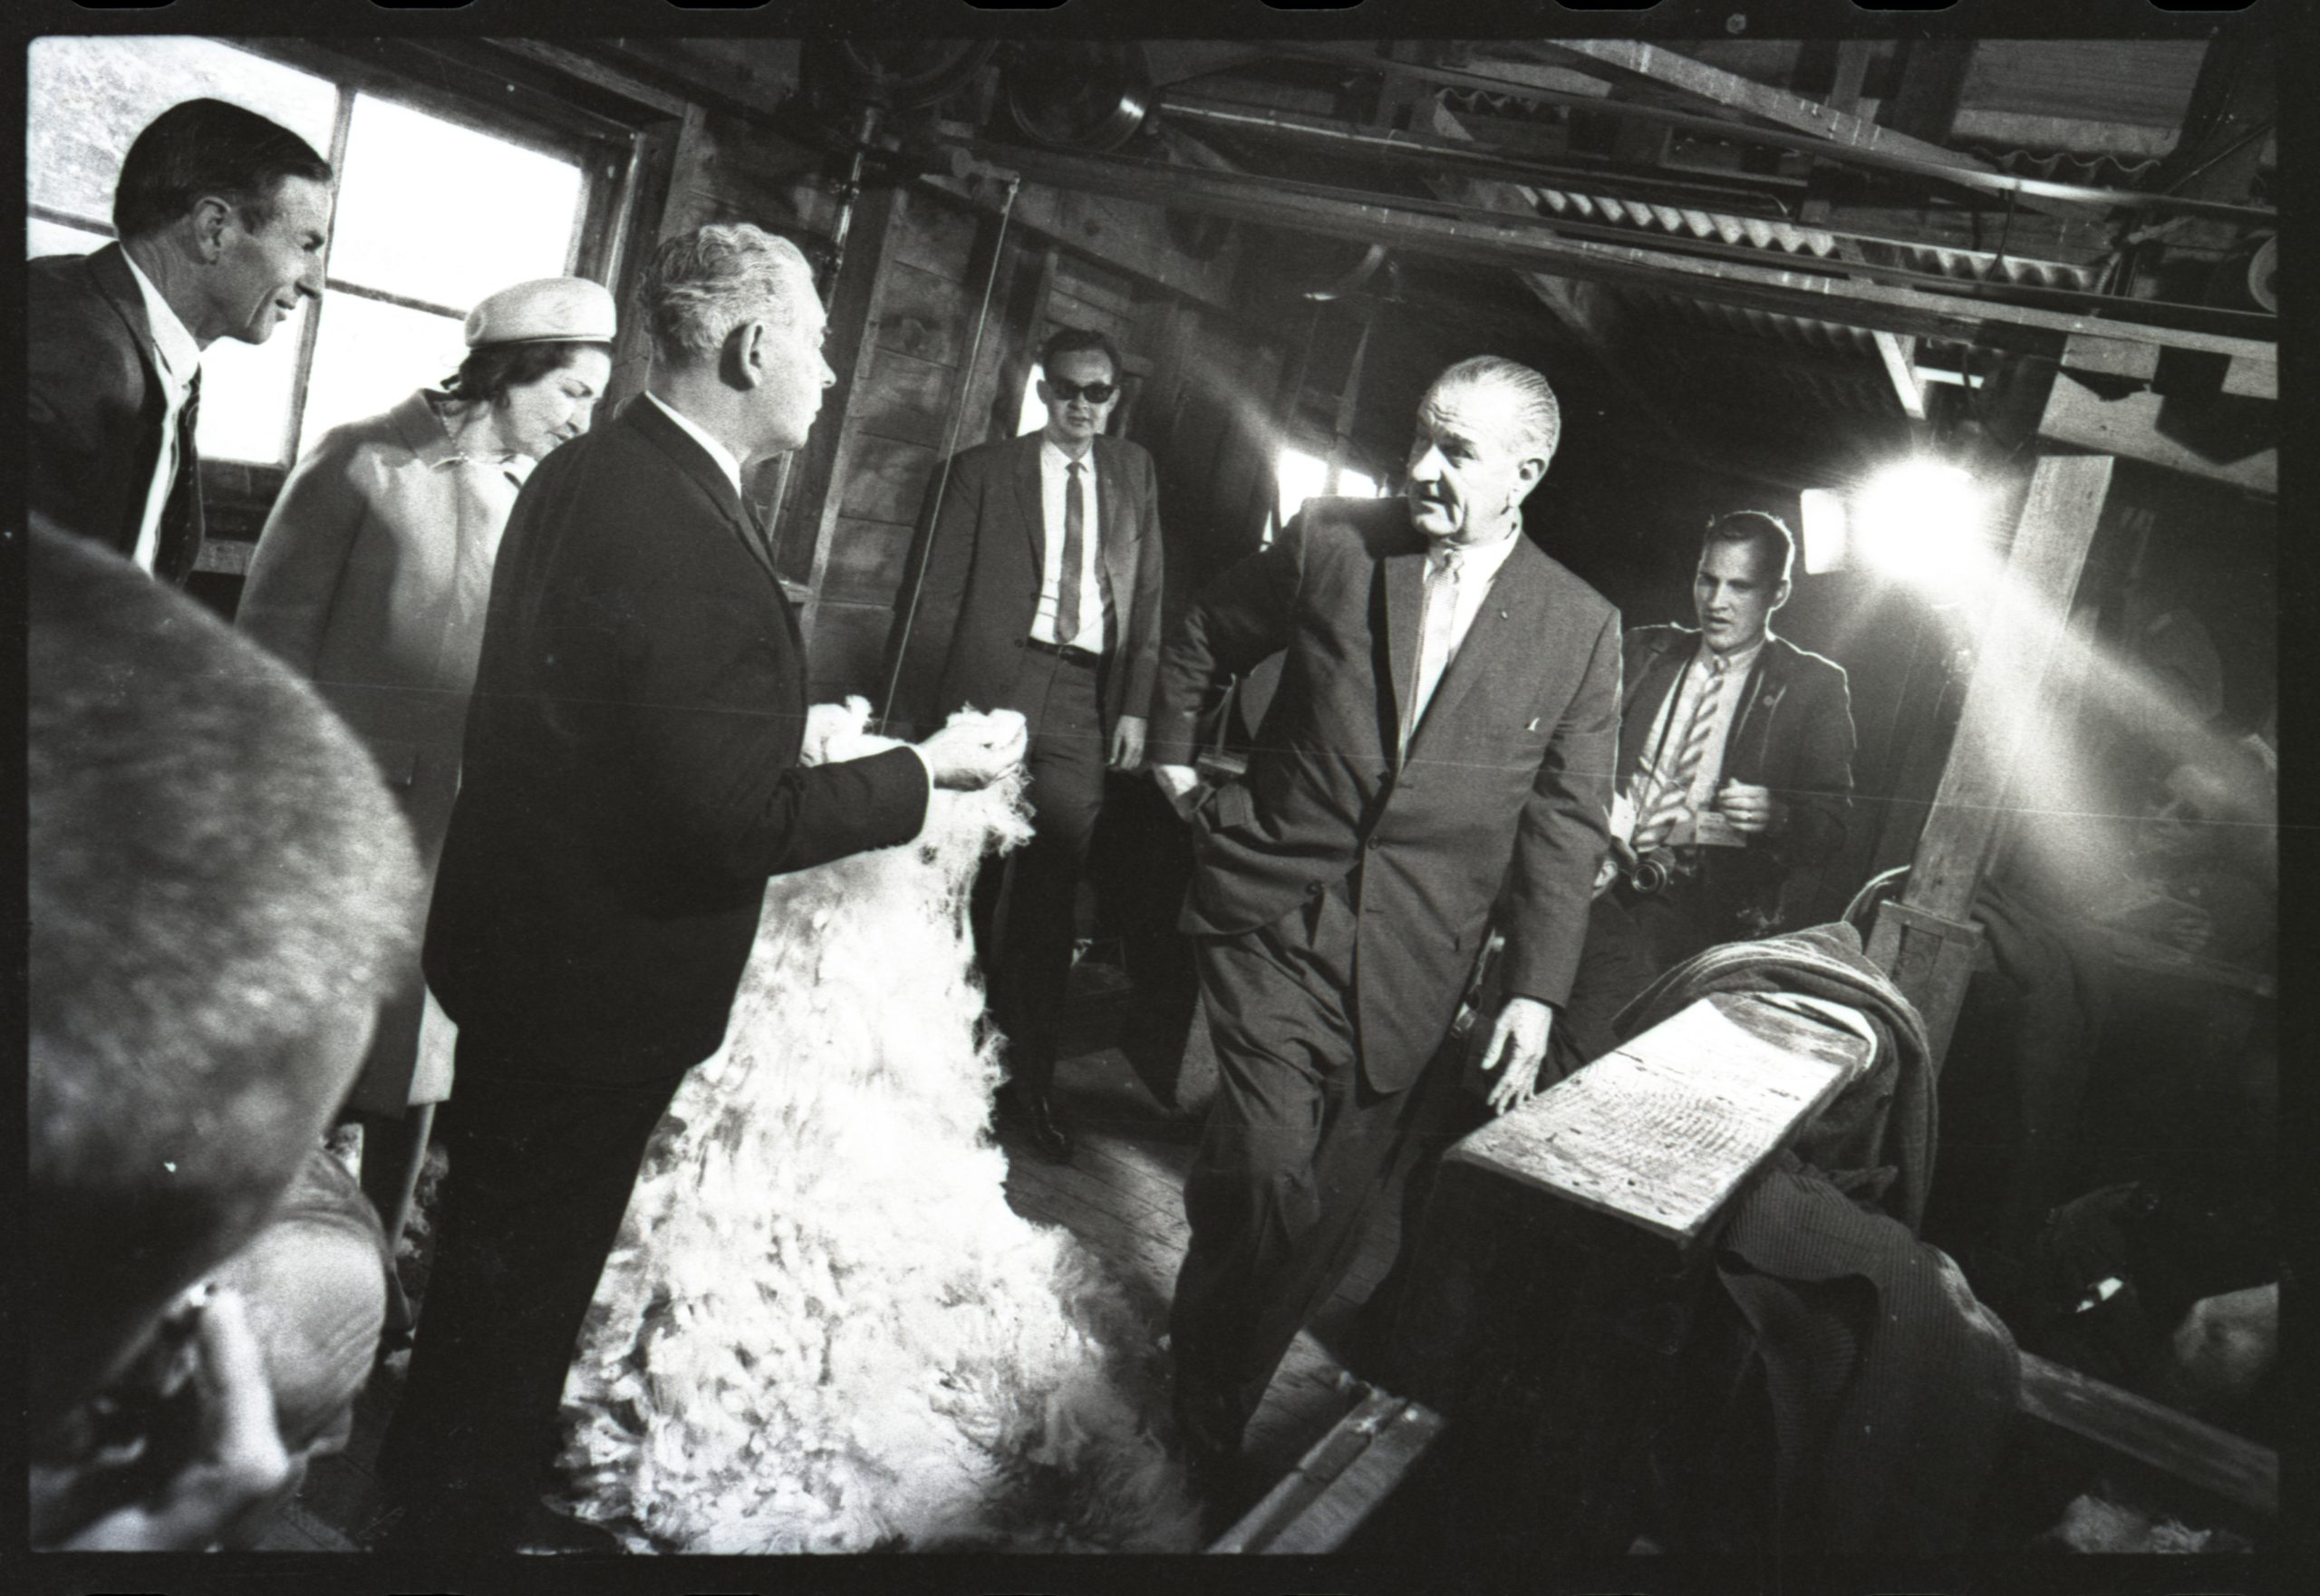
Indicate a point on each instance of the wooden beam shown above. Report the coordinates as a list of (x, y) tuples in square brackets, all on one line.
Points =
[(598, 73), (1340, 1481), (1129, 238), (1589, 314), (1924, 939), (2110, 357), (1537, 242), (1853, 70), (2130, 425), (2231, 1467), (2251, 377), (1734, 92), (1901, 365), (1932, 81), (1841, 128)]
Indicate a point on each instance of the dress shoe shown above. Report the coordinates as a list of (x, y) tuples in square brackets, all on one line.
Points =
[(1216, 1469), (1032, 1114)]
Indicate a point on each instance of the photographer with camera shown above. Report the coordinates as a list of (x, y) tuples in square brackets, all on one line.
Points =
[(1735, 755)]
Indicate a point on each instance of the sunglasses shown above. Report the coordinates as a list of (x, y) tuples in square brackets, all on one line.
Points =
[(1093, 393)]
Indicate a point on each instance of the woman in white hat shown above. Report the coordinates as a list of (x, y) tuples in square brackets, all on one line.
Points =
[(371, 577)]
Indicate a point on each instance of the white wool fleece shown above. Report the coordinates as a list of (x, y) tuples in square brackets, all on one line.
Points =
[(822, 1329)]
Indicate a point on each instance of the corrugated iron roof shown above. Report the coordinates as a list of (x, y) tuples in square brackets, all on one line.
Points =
[(1772, 233), (2099, 171)]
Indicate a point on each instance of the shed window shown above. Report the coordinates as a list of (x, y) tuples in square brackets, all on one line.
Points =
[(433, 214)]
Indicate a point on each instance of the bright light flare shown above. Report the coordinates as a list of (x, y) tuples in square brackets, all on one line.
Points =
[(1925, 523), (1298, 476), (1825, 528)]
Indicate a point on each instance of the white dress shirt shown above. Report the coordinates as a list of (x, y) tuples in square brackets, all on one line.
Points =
[(1055, 482), (1478, 566), (177, 358), (723, 456)]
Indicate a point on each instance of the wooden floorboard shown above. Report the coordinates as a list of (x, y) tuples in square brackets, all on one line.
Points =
[(1121, 1194)]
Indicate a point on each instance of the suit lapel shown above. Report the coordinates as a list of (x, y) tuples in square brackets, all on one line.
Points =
[(1762, 691), (1116, 530), (705, 474), (1031, 501)]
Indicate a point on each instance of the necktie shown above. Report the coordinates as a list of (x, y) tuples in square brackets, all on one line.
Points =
[(1439, 633), (175, 549), (1075, 550), (1674, 797)]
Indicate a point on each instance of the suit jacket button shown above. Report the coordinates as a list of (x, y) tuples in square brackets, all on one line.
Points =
[(1376, 843)]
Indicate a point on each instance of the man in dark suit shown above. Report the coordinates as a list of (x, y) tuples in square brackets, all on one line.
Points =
[(1735, 754), (630, 780), (1441, 741), (1035, 586), (221, 217)]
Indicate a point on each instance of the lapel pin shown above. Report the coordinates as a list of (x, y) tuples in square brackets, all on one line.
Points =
[(1534, 726)]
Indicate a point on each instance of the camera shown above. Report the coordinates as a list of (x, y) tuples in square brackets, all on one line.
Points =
[(1656, 872)]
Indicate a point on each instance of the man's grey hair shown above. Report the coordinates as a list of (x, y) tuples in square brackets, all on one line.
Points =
[(1534, 418), (701, 286)]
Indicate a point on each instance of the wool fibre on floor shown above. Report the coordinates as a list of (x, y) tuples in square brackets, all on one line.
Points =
[(823, 1328)]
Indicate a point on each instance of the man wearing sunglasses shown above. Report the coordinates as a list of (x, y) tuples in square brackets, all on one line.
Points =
[(1034, 584)]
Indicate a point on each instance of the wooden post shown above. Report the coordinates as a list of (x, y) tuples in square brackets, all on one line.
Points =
[(816, 489), (1349, 406), (1926, 939)]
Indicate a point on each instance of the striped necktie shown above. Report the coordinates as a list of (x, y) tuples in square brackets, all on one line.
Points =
[(1675, 793)]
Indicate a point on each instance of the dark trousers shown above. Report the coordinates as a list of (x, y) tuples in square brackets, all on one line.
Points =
[(1026, 959), (541, 1170), (1673, 925), (1297, 1149)]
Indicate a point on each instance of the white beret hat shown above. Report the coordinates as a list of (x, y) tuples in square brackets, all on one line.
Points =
[(565, 310)]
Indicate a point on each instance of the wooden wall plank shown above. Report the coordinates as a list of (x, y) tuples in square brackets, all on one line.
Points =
[(1067, 309), (925, 315), (1103, 291), (887, 480), (816, 471), (906, 399), (992, 392), (849, 640), (866, 563), (936, 238), (1127, 236)]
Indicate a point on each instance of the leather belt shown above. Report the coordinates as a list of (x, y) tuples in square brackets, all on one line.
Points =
[(1065, 651)]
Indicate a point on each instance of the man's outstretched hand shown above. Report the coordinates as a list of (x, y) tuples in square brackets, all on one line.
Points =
[(1518, 1041), (974, 750)]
